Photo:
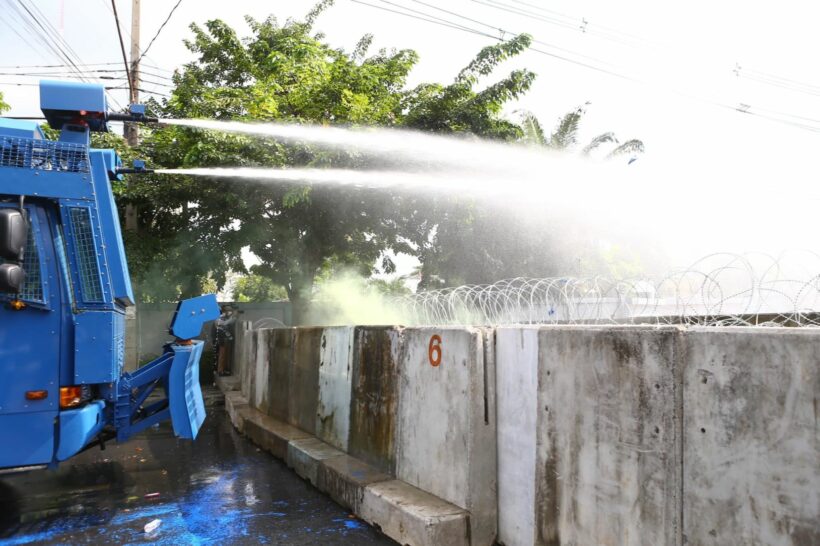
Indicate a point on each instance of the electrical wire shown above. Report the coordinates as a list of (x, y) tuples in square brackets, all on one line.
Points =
[(443, 22), (122, 47), (39, 26), (162, 26)]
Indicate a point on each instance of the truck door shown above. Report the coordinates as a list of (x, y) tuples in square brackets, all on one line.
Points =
[(30, 341)]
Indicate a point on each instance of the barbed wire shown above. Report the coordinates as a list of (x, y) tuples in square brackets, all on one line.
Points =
[(719, 290)]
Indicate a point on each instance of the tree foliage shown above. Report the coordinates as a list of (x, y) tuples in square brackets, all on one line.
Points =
[(564, 136), (194, 229), (257, 289), (3, 105)]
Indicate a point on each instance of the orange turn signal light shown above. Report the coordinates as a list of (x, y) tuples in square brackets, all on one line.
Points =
[(36, 395), (17, 305), (71, 397)]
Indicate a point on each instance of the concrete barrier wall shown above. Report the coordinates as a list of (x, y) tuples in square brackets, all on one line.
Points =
[(565, 434), (304, 378), (446, 424), (517, 409), (608, 436), (649, 435), (374, 396), (751, 469), (335, 372)]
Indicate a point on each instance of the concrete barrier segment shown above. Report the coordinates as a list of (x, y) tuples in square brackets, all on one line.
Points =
[(241, 350), (280, 352), (516, 355), (446, 431), (304, 378), (608, 436), (335, 372), (413, 517), (374, 396), (259, 398), (751, 471)]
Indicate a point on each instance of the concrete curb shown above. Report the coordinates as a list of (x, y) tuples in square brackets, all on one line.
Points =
[(405, 513)]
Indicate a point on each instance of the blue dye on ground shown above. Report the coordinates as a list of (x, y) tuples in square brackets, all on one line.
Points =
[(219, 490)]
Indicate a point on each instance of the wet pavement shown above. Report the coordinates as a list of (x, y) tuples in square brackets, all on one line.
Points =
[(220, 489)]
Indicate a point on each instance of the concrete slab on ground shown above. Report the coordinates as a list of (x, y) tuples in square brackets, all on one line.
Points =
[(305, 455), (412, 517)]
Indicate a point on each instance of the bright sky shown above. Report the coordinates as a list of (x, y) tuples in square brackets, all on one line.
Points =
[(673, 75), (675, 51)]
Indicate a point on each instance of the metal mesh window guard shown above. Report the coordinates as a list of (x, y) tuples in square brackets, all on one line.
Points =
[(87, 263), (43, 155)]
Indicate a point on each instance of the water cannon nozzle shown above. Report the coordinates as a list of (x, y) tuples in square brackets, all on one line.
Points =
[(138, 168), (136, 113)]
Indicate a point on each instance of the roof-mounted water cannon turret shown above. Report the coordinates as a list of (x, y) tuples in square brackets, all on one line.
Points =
[(74, 107)]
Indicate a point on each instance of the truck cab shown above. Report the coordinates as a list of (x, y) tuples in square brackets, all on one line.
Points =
[(64, 289)]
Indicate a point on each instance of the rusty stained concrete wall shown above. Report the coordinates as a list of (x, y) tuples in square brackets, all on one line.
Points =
[(304, 378), (642, 435), (374, 396), (608, 436), (335, 372), (751, 468)]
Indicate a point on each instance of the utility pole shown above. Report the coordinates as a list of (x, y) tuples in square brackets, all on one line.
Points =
[(131, 130), (132, 138)]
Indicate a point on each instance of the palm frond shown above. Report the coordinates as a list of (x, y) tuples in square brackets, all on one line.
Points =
[(604, 138), (566, 132), (630, 146), (533, 132)]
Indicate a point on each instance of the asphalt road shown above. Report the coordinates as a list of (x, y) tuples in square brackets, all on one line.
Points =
[(220, 489)]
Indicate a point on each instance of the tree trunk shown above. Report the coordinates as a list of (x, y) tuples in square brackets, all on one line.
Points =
[(299, 294)]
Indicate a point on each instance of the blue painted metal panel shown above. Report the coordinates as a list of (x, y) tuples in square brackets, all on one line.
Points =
[(53, 184), (30, 341), (184, 393), (75, 96), (28, 438), (101, 161), (21, 128), (79, 427), (192, 314), (98, 347), (62, 102)]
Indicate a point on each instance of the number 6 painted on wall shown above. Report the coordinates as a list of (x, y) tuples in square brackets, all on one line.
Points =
[(434, 350)]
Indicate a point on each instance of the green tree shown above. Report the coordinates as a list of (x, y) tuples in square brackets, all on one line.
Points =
[(281, 73), (564, 136), (192, 229), (257, 289), (3, 105)]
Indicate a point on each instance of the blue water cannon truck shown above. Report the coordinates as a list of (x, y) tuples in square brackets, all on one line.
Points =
[(64, 290)]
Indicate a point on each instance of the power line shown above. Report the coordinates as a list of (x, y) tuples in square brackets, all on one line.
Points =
[(457, 27), (162, 26), (610, 33), (504, 32), (719, 104), (122, 47), (39, 26)]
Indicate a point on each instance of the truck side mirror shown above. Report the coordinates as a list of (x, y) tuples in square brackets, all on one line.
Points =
[(11, 278), (13, 234)]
